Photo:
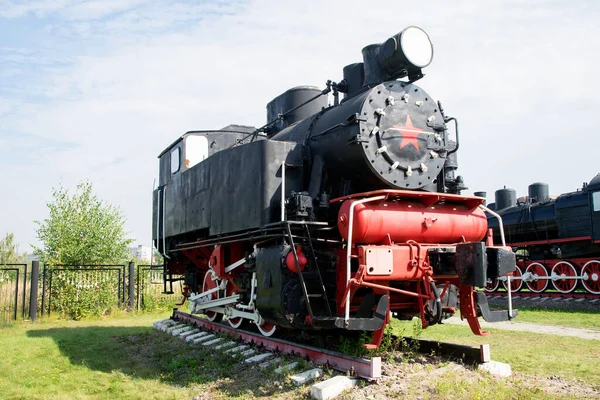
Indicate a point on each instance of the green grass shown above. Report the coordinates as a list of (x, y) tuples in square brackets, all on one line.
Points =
[(527, 353), (122, 358), (577, 319)]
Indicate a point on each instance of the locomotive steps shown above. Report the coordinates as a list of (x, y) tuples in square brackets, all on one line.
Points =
[(284, 357)]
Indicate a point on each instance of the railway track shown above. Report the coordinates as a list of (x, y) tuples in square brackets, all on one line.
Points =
[(267, 351), (592, 298)]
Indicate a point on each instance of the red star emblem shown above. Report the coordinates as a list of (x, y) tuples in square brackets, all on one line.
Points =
[(410, 134)]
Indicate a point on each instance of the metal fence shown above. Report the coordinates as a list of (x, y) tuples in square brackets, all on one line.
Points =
[(14, 285), (69, 289), (149, 289), (73, 290)]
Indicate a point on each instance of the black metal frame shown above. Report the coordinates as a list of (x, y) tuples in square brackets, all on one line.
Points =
[(24, 265), (138, 280), (49, 270), (16, 288)]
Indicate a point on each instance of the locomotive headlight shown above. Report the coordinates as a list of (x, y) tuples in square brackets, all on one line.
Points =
[(416, 46), (409, 50)]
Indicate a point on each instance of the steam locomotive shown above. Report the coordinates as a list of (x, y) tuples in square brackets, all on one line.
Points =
[(557, 240), (334, 216)]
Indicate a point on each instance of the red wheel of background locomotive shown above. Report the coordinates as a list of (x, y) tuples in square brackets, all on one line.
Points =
[(592, 283), (492, 285), (515, 284), (564, 270), (537, 285), (208, 284)]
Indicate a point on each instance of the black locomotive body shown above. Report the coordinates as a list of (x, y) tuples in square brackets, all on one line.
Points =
[(557, 239), (329, 216)]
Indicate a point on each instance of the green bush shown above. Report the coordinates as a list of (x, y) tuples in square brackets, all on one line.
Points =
[(77, 296)]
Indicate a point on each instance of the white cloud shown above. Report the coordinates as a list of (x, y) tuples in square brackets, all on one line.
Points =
[(127, 78)]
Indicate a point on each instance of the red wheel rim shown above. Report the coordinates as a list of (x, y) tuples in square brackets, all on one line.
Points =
[(564, 269), (538, 285), (515, 284), (208, 284), (492, 285), (592, 283), (267, 329), (235, 322)]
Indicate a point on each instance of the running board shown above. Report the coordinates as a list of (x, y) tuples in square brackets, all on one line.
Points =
[(357, 324), (492, 316)]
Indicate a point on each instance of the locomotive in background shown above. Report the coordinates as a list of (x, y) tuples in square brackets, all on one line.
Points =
[(557, 240), (330, 216)]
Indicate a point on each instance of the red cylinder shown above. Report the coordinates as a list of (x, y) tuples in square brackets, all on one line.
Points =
[(404, 220), (290, 262)]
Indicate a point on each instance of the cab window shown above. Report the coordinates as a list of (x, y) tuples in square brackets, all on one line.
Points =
[(596, 201), (175, 160), (196, 150)]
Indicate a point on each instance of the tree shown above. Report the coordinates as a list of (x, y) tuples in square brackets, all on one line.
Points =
[(9, 251), (81, 229)]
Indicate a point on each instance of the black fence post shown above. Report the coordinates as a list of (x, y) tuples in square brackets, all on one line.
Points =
[(33, 293), (44, 289), (16, 294), (131, 283), (24, 290)]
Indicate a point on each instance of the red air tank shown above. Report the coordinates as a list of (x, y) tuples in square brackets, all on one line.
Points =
[(406, 220)]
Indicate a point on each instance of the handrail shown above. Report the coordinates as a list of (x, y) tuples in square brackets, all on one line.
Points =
[(349, 246)]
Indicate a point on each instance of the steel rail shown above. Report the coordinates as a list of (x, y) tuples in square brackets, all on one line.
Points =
[(572, 295), (362, 367)]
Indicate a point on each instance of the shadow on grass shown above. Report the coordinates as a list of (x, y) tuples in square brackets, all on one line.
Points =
[(153, 355)]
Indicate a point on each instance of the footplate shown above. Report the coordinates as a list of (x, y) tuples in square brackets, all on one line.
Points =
[(492, 316)]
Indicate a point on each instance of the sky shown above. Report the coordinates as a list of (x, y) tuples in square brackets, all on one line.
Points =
[(97, 89)]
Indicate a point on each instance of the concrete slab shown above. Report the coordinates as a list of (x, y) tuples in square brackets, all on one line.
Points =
[(166, 325), (195, 336), (162, 321), (248, 352), (485, 352), (162, 326), (236, 349), (211, 342), (172, 328), (225, 345), (496, 368), (268, 363), (306, 376), (286, 368), (189, 333), (258, 358), (203, 339), (176, 332), (332, 388)]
